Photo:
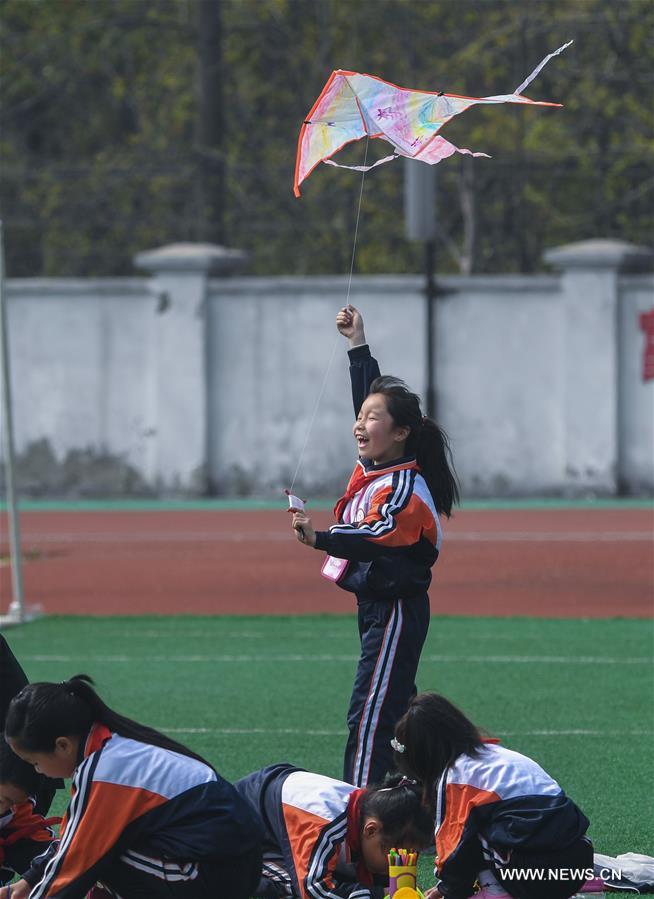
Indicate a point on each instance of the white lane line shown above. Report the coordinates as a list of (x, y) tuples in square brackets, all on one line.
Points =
[(132, 537), (577, 733), (555, 536), (544, 660), (181, 634), (245, 731), (296, 731), (250, 659)]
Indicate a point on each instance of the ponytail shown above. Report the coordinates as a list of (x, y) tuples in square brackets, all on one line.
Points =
[(41, 712), (397, 804), (434, 456), (426, 440), (430, 736)]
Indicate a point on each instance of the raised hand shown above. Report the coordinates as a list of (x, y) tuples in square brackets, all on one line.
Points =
[(349, 322)]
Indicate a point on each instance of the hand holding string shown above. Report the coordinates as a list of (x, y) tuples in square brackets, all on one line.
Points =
[(303, 528), (349, 322)]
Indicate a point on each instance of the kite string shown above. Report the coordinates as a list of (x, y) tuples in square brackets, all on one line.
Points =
[(337, 340), (356, 227)]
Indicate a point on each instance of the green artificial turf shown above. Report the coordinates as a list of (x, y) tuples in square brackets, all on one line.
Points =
[(576, 695)]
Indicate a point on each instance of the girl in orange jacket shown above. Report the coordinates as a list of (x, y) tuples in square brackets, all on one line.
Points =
[(385, 541), (325, 839), (499, 818), (147, 816)]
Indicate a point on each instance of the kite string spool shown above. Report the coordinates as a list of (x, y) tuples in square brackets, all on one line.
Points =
[(336, 341)]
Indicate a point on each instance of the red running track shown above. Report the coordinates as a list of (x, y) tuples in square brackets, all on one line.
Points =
[(541, 562)]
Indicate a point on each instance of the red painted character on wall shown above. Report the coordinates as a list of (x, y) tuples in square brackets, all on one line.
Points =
[(647, 325)]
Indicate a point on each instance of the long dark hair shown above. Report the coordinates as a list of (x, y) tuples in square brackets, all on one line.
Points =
[(433, 733), (397, 804), (427, 441), (41, 712)]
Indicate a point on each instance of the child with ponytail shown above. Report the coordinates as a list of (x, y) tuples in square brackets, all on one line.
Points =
[(382, 548), (325, 839), (147, 817), (499, 818)]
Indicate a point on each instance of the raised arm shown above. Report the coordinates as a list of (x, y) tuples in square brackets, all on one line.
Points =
[(363, 367)]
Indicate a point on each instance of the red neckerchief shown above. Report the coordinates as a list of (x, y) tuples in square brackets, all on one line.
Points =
[(361, 476), (353, 836), (26, 828)]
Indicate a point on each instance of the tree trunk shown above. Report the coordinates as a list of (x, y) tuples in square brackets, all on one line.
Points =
[(210, 124)]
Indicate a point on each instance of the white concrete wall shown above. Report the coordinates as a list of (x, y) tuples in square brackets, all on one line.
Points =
[(500, 370), (635, 396), (81, 357), (185, 383), (498, 376), (271, 342)]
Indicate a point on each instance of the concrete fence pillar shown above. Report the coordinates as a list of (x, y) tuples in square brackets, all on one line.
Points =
[(178, 394), (589, 285)]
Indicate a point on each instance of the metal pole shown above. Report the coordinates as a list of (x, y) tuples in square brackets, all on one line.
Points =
[(17, 606), (430, 293), (420, 224)]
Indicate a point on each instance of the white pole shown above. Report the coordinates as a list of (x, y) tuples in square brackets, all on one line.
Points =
[(17, 607)]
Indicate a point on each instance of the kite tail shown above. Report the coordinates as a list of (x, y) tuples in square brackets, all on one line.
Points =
[(538, 68)]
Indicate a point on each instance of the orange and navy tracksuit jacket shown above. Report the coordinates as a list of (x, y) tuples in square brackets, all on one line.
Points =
[(491, 805), (311, 842), (388, 530), (24, 836), (387, 525), (147, 808)]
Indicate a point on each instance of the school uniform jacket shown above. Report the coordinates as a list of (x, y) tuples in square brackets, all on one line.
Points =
[(142, 804), (503, 801), (24, 834), (387, 524), (314, 822)]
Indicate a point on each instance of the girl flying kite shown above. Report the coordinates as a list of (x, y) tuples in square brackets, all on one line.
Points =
[(386, 538)]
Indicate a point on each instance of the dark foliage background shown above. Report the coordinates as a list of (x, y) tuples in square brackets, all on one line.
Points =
[(120, 132)]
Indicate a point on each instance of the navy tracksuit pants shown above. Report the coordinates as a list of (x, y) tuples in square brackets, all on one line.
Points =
[(392, 634), (235, 877), (263, 790), (572, 860)]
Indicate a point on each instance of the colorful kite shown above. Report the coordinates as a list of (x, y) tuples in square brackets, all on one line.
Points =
[(352, 106)]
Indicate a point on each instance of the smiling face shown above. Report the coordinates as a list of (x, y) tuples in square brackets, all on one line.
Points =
[(59, 763), (378, 438)]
